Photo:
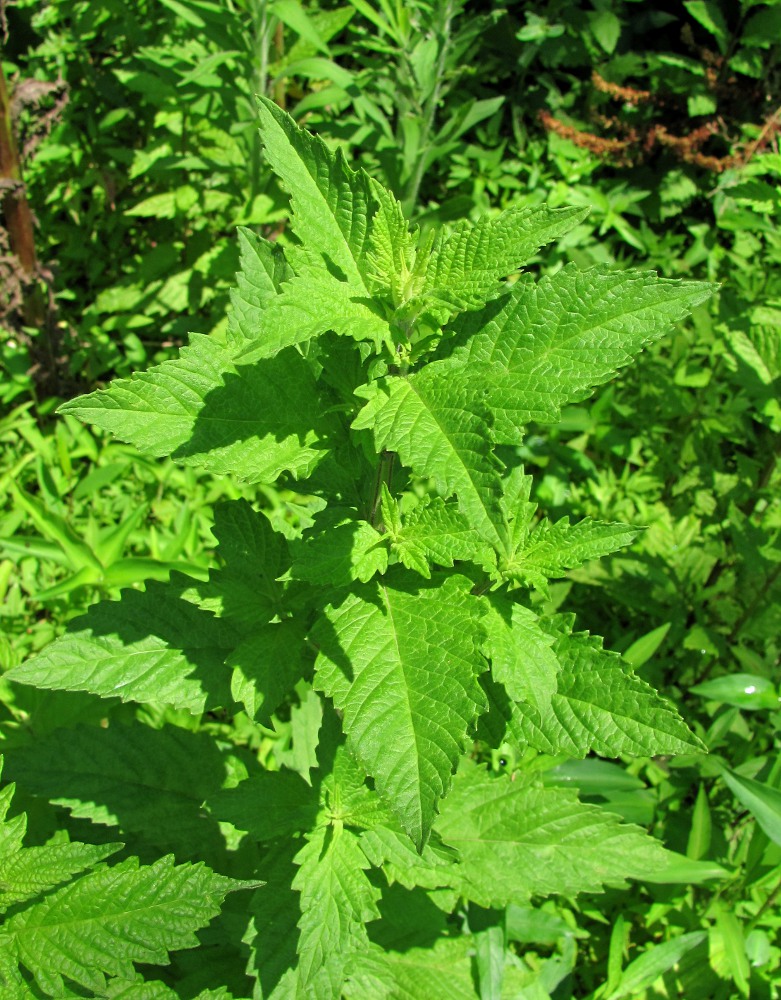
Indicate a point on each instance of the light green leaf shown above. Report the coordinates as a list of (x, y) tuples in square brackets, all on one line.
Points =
[(643, 972), (440, 972), (402, 666), (747, 691), (305, 721), (554, 340), (394, 852), (728, 938), (144, 989), (711, 18), (104, 922), (551, 549), (148, 646), (606, 28), (263, 269), (435, 532), (32, 871), (330, 202), (516, 839), (310, 303), (337, 900), (430, 419), (642, 649), (296, 17), (78, 555), (600, 705), (148, 782), (521, 654), (254, 422), (680, 870), (392, 247), (762, 801), (465, 265), (339, 549)]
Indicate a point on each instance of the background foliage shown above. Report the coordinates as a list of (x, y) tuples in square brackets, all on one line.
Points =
[(137, 136)]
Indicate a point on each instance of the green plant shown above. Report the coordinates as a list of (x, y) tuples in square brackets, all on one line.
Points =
[(140, 153), (380, 634)]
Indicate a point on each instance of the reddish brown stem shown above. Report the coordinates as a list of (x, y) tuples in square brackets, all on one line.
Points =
[(18, 217)]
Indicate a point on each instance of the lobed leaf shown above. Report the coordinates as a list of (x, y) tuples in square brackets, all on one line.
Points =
[(516, 839), (331, 203), (551, 549), (104, 922), (149, 646), (337, 901), (310, 303), (402, 666), (432, 421), (551, 341), (251, 421), (466, 264), (436, 532)]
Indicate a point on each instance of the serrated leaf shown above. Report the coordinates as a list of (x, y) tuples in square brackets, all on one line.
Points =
[(337, 900), (517, 507), (550, 342), (441, 972), (516, 839), (402, 666), (391, 850), (149, 646), (32, 871), (521, 653), (272, 932), (266, 667), (552, 549), (253, 557), (144, 989), (339, 549), (310, 303), (430, 419), (263, 269), (305, 721), (252, 421), (435, 532), (600, 705), (149, 782), (109, 919), (465, 265), (267, 806), (391, 252), (331, 203)]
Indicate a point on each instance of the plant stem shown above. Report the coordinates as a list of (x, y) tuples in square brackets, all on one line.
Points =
[(18, 217), (280, 92), (258, 85), (772, 897), (384, 473), (412, 188)]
